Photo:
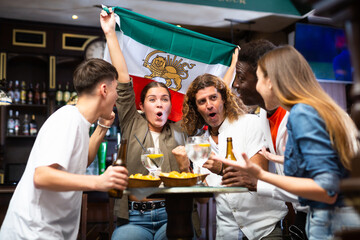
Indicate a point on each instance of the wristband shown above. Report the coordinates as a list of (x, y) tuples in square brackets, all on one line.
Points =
[(101, 125)]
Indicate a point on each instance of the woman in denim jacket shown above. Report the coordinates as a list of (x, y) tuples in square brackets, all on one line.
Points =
[(321, 142)]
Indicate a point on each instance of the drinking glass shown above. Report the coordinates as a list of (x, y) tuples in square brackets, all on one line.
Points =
[(152, 158), (198, 150)]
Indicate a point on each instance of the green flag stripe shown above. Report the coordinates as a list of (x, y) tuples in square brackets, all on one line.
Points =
[(174, 40), (289, 7)]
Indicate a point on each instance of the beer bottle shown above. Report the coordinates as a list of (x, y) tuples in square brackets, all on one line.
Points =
[(229, 154), (43, 94), (26, 126), (33, 126), (229, 148), (59, 96), (66, 94), (23, 92), (10, 91), (37, 97), (30, 94), (119, 161), (11, 124), (16, 124), (16, 92)]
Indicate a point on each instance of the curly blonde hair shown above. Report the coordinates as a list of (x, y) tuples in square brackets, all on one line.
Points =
[(192, 120)]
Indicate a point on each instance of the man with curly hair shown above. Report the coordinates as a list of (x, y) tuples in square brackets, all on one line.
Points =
[(209, 101)]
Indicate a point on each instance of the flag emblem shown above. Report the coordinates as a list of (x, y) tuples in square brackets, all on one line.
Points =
[(172, 70)]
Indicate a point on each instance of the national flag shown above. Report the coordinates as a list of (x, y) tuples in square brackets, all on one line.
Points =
[(159, 51)]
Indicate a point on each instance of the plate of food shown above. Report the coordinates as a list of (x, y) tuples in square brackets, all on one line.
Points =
[(142, 181), (184, 179)]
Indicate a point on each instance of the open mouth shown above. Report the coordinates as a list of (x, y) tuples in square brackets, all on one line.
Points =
[(212, 114), (159, 114)]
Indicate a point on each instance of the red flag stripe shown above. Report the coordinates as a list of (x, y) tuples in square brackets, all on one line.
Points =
[(176, 97)]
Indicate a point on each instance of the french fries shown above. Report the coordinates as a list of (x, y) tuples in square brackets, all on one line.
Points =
[(143, 177), (175, 174)]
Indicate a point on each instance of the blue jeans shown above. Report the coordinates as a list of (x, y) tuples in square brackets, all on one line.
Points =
[(148, 225), (323, 223)]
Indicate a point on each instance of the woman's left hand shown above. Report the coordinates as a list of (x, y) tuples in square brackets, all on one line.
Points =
[(246, 165)]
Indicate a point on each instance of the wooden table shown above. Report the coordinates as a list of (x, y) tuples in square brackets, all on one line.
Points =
[(179, 205)]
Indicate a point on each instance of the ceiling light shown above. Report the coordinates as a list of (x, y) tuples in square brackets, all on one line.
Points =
[(74, 17)]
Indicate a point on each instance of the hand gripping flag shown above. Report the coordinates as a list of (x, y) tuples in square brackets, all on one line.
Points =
[(159, 51)]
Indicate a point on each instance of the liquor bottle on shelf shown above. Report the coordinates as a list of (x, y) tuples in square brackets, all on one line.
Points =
[(67, 95), (10, 124), (119, 161), (23, 92), (26, 125), (16, 124), (59, 96), (16, 92), (10, 91), (30, 94), (43, 94), (37, 94), (33, 126)]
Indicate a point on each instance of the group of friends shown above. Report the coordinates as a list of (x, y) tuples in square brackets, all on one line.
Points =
[(297, 149)]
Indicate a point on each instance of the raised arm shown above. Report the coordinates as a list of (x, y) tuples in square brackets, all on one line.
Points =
[(229, 75), (107, 22)]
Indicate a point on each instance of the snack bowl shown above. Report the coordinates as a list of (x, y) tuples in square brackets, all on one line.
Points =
[(176, 181), (135, 182)]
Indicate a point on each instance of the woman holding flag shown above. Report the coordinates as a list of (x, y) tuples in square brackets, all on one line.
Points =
[(141, 218)]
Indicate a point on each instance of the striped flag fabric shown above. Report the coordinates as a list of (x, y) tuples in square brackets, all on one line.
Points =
[(159, 51)]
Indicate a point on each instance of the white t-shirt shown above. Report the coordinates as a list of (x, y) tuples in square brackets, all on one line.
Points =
[(254, 215), (42, 214), (155, 136)]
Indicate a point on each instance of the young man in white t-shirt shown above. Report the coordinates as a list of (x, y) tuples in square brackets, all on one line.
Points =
[(47, 201)]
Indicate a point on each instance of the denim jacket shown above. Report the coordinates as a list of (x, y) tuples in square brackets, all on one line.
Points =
[(309, 153)]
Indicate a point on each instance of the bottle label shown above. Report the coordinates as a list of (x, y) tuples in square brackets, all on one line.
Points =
[(43, 97), (17, 96), (16, 126), (11, 126), (26, 130), (23, 97), (59, 96), (66, 97), (11, 94), (30, 97), (33, 130)]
